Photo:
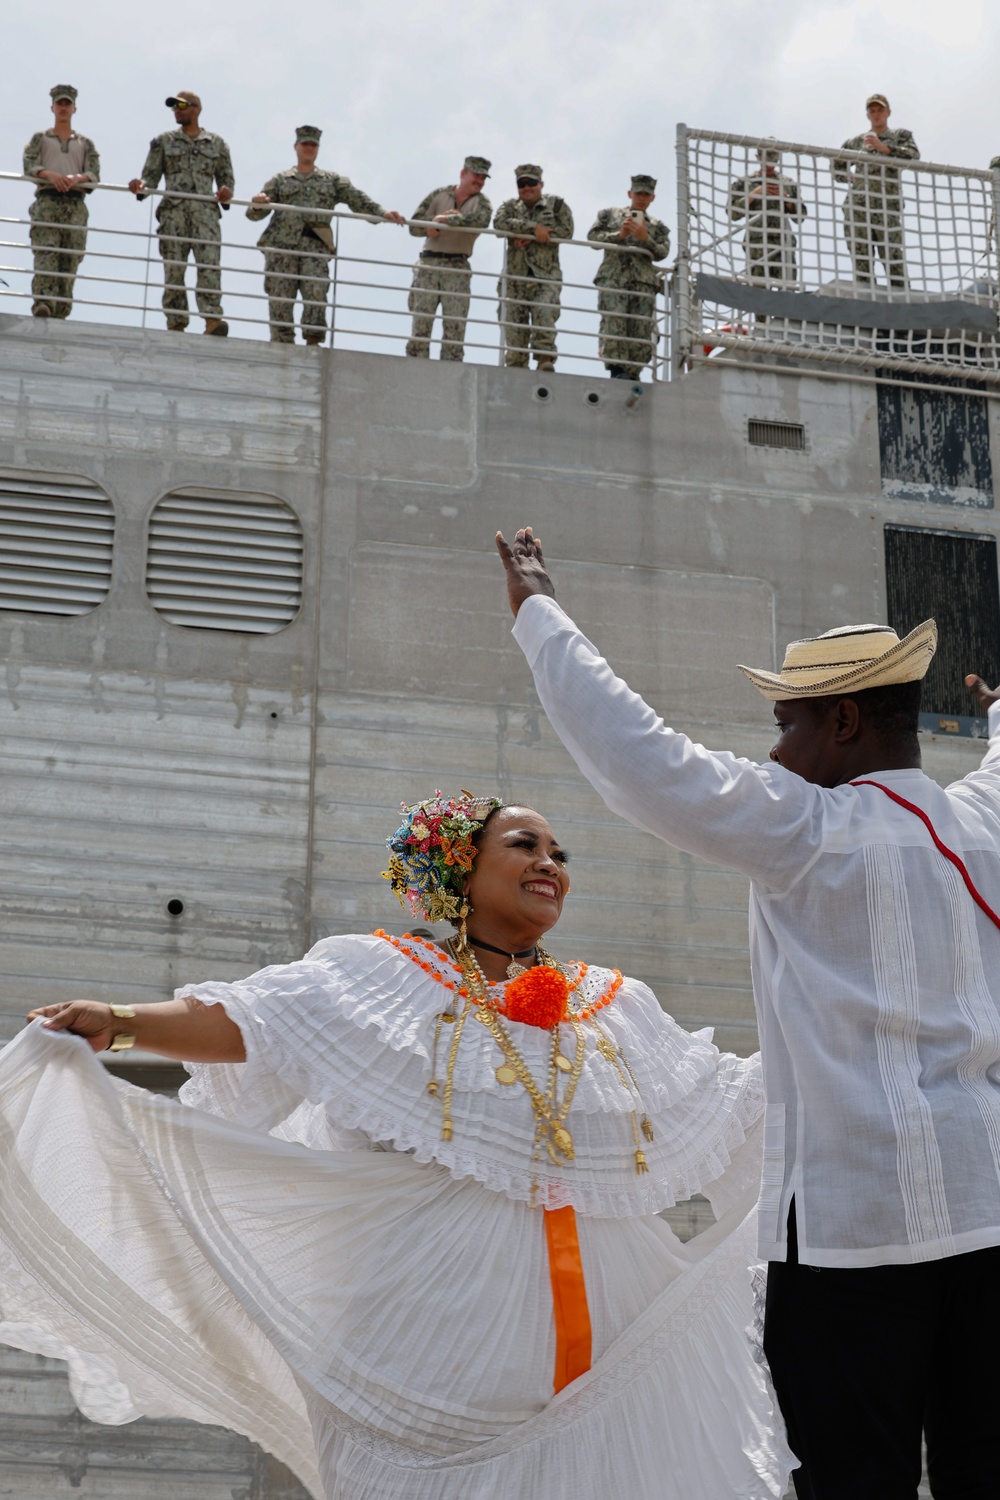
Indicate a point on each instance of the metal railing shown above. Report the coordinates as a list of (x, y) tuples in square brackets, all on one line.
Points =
[(119, 279), (841, 257)]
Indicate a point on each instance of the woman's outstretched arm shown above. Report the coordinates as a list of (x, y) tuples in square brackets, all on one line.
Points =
[(184, 1029)]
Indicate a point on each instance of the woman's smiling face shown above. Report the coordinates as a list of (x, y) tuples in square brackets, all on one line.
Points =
[(519, 879)]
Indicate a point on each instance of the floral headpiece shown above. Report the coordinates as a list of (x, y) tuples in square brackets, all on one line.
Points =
[(432, 851)]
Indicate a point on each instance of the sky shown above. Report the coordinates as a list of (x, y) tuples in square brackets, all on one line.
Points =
[(591, 90)]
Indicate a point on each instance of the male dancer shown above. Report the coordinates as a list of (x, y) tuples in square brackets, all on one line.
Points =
[(877, 983)]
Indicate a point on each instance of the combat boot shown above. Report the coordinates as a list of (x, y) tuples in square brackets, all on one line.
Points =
[(218, 326)]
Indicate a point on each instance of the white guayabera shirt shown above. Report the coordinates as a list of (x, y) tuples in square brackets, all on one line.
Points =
[(876, 977)]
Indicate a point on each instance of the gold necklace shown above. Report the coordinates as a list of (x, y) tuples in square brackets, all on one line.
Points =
[(613, 1054), (550, 1112)]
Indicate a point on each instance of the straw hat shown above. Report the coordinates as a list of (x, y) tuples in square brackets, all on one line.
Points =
[(847, 660)]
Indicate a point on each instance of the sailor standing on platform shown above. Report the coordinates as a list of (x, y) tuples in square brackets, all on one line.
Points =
[(532, 280), (298, 246), (770, 203), (442, 275), (874, 206), (190, 160), (628, 283), (63, 162)]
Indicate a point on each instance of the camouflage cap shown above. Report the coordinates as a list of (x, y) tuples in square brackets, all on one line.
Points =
[(642, 183), (767, 152), (877, 99), (308, 133), (528, 169), (478, 164), (182, 99), (63, 91)]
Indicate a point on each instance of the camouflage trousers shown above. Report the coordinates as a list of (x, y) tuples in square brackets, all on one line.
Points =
[(445, 283), (528, 314), (771, 260), (58, 240), (182, 227), (627, 328), (866, 227), (286, 276)]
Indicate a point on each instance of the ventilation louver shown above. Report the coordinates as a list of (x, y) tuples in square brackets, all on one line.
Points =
[(225, 564), (56, 536), (762, 434)]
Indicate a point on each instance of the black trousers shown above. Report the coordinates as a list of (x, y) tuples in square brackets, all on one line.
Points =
[(864, 1361)]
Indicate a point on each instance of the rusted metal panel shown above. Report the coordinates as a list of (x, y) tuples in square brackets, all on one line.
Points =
[(935, 447), (951, 576)]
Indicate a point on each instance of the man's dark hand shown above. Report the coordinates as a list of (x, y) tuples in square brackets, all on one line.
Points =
[(978, 689), (525, 567)]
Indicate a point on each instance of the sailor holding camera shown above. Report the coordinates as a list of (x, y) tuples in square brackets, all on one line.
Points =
[(628, 280)]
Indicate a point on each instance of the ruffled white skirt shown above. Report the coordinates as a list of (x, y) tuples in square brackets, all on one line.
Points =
[(382, 1328)]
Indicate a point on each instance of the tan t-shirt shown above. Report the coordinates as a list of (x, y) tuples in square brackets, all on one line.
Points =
[(453, 241), (66, 157)]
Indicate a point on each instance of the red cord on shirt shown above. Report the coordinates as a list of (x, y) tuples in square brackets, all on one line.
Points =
[(943, 848)]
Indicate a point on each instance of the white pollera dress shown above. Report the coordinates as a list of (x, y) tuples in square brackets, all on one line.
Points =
[(294, 1252)]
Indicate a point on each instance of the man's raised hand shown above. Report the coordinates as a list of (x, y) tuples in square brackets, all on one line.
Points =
[(525, 568), (987, 696)]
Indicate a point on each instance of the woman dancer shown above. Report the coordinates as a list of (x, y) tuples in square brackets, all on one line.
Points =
[(406, 1237)]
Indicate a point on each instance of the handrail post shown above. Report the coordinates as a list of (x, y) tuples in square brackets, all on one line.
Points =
[(333, 285), (502, 307), (682, 274), (149, 257)]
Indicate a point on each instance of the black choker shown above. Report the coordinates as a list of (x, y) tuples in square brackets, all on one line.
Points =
[(503, 952)]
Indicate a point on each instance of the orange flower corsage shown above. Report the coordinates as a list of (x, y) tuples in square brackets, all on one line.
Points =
[(539, 998)]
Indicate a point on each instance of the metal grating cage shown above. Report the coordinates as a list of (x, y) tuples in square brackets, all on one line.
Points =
[(56, 538), (761, 434), (215, 563)]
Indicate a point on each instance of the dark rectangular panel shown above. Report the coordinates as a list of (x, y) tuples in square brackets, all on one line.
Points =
[(952, 577), (934, 446)]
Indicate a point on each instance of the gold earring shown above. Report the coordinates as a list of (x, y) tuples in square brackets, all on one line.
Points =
[(462, 941)]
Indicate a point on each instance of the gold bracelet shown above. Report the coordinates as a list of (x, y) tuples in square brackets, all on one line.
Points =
[(125, 1039)]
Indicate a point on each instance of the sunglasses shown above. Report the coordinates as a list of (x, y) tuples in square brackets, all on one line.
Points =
[(527, 182)]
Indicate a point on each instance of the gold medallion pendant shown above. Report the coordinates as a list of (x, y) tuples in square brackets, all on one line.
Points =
[(506, 1074), (563, 1063), (563, 1141)]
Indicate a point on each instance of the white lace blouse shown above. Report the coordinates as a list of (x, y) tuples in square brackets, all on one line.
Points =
[(339, 1049)]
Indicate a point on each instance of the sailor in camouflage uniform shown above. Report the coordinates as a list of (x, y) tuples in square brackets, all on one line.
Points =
[(63, 161), (529, 289), (628, 281), (442, 276), (191, 160), (770, 202), (298, 246), (873, 207)]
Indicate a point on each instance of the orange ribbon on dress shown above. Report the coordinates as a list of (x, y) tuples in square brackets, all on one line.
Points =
[(569, 1296)]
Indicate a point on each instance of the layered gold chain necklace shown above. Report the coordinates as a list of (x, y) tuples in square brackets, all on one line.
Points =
[(549, 1109)]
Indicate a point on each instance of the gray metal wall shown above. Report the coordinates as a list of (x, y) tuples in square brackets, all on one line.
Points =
[(255, 777)]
